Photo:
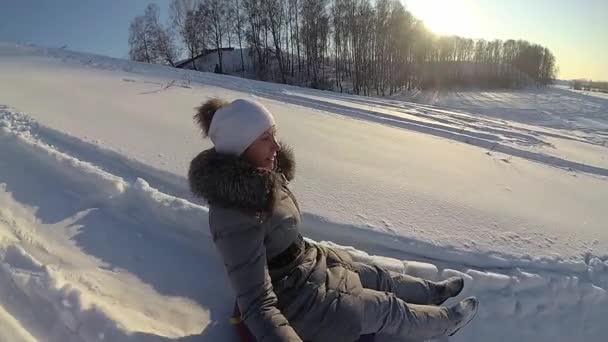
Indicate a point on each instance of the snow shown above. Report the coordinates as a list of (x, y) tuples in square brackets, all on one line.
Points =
[(422, 270), (101, 240)]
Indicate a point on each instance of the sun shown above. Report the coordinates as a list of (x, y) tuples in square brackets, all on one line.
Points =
[(446, 17)]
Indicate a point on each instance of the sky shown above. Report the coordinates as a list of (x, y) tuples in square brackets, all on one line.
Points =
[(575, 30), (97, 26)]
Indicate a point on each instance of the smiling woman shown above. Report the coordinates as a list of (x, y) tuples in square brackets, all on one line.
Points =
[(453, 17)]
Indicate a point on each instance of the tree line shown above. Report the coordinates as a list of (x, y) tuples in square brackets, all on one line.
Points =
[(361, 46), (589, 85)]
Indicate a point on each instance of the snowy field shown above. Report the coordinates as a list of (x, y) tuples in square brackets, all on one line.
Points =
[(101, 240)]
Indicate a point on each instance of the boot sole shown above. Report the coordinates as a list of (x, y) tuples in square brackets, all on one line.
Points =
[(467, 322)]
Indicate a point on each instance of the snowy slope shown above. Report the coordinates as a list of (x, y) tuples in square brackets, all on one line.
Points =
[(100, 238), (556, 106)]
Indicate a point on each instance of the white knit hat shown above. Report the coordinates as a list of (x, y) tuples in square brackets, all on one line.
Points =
[(236, 125)]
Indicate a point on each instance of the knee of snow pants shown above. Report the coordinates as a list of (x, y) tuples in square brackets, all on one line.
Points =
[(385, 314), (410, 289)]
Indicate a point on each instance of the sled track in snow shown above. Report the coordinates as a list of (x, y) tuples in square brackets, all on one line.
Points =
[(519, 294)]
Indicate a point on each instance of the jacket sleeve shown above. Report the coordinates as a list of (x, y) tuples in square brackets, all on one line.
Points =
[(239, 239)]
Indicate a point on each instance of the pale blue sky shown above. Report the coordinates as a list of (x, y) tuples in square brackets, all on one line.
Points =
[(98, 26), (576, 31)]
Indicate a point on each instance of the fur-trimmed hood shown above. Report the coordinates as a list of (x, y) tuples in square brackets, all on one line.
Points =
[(232, 182)]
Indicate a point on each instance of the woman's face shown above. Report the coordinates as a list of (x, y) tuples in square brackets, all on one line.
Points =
[(263, 152)]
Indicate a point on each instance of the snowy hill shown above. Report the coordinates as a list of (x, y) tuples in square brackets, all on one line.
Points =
[(101, 240)]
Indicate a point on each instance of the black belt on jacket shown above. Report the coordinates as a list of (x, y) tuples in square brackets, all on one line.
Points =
[(287, 256)]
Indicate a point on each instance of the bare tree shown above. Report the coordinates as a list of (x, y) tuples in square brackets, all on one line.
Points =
[(315, 33), (238, 26), (163, 47), (140, 48), (178, 11), (187, 24), (275, 17), (214, 13), (149, 41), (399, 47), (195, 34), (337, 21), (548, 67), (380, 60), (297, 9), (254, 14)]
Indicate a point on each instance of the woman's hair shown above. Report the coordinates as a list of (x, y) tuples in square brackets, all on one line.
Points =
[(204, 114)]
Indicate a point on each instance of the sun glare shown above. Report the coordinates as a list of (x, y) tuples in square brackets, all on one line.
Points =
[(446, 17)]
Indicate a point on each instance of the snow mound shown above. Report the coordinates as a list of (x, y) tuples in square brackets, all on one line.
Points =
[(513, 298)]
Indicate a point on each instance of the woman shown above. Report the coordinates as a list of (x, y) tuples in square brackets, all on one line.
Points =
[(288, 289)]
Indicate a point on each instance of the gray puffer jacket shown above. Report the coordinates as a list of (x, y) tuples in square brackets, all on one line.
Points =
[(254, 218)]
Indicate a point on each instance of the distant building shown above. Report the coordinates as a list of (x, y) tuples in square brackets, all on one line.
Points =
[(208, 61)]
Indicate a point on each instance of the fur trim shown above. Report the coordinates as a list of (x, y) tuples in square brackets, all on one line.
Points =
[(286, 162), (232, 182)]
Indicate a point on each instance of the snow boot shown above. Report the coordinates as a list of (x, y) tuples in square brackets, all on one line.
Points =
[(462, 313), (447, 289)]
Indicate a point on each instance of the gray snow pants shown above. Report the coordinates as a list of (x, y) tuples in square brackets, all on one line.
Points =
[(394, 305)]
